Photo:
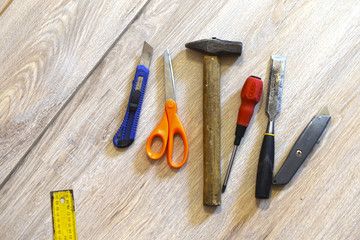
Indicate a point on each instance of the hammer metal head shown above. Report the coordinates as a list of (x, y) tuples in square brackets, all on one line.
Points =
[(216, 47)]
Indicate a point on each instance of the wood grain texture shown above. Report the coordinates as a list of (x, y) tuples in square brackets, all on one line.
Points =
[(211, 131), (4, 5), (121, 194), (47, 50)]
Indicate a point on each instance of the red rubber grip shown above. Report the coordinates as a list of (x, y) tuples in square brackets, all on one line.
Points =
[(250, 96)]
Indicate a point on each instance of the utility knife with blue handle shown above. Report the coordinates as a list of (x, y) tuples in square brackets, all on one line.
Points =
[(126, 134), (302, 147)]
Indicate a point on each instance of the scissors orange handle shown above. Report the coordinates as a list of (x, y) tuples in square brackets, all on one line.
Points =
[(169, 125)]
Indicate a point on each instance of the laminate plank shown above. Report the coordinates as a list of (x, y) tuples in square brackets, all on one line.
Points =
[(48, 49), (121, 194)]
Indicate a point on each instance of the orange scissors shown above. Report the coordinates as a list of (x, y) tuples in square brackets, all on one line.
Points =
[(170, 124)]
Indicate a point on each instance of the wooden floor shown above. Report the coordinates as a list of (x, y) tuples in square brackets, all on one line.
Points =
[(65, 79)]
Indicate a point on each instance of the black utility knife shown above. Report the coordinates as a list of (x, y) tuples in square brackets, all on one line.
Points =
[(301, 149)]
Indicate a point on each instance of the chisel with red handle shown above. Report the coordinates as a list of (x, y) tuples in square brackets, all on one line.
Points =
[(250, 96)]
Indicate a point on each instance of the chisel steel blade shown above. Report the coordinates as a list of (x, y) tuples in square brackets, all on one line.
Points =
[(277, 70)]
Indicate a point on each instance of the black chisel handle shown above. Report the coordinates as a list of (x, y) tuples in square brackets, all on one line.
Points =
[(265, 167)]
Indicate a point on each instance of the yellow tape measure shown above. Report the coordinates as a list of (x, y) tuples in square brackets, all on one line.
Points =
[(63, 214)]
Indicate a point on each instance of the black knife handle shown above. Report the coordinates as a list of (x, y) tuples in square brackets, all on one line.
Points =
[(265, 167)]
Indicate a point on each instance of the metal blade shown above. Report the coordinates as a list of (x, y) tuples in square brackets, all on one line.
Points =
[(275, 85), (146, 55), (145, 60), (324, 111), (169, 77)]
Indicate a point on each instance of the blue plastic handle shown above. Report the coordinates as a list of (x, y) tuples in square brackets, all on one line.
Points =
[(125, 136)]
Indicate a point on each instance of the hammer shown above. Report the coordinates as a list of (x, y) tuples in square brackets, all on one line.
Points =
[(212, 48)]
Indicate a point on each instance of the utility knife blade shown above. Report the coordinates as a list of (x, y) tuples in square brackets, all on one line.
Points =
[(302, 147), (125, 136)]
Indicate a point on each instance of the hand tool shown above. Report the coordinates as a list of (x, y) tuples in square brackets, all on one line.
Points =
[(170, 124), (63, 214), (212, 48), (266, 159), (126, 133), (250, 96), (302, 147)]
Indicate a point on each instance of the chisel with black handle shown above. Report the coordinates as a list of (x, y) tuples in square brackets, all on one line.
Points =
[(266, 159)]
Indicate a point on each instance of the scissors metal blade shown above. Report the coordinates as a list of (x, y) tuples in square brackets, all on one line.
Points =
[(169, 77)]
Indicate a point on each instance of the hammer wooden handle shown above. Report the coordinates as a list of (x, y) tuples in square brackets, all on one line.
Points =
[(212, 124)]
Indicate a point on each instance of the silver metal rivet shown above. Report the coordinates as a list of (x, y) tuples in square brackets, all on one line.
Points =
[(299, 152)]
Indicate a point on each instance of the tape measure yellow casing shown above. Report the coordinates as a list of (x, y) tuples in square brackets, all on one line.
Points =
[(63, 215)]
